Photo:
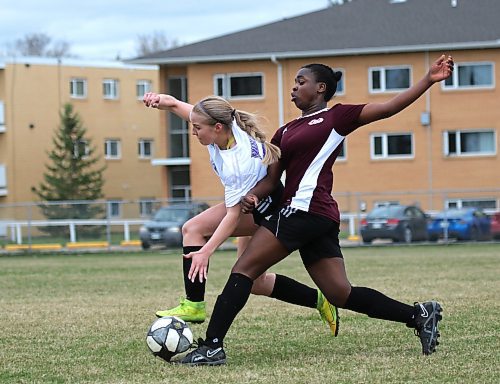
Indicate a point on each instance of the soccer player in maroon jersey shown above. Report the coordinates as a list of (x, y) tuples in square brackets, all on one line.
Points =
[(308, 220), (240, 156)]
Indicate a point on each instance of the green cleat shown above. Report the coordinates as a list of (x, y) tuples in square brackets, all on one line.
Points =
[(189, 311), (328, 313)]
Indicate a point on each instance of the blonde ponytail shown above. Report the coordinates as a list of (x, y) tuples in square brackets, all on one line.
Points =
[(248, 122), (216, 109)]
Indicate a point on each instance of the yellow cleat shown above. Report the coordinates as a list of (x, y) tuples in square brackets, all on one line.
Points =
[(328, 313), (189, 311)]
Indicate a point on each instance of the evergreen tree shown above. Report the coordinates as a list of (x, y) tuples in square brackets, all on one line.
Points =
[(73, 174)]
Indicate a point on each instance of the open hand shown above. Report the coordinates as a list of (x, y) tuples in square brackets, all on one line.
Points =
[(441, 69), (199, 265)]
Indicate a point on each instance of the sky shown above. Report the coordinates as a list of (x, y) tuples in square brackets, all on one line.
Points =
[(107, 29)]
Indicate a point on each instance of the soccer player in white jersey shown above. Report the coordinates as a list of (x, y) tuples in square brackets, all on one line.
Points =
[(308, 220), (240, 155)]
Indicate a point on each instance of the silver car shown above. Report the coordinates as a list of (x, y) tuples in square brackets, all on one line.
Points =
[(401, 223), (165, 228)]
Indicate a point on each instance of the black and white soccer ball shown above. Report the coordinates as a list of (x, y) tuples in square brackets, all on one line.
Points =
[(169, 336)]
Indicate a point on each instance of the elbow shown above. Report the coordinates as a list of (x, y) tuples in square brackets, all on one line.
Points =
[(388, 112), (386, 115)]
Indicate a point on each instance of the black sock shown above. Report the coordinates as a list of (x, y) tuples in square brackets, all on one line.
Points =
[(293, 292), (232, 299), (195, 291), (379, 306)]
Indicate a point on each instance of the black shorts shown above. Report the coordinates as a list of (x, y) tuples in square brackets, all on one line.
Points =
[(268, 205), (316, 237)]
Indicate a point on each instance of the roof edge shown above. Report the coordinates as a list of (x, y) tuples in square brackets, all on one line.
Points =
[(318, 53), (74, 62)]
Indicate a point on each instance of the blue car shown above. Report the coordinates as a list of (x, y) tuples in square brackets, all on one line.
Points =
[(461, 224)]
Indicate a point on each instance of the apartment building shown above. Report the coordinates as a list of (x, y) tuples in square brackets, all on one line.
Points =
[(442, 151), (108, 98)]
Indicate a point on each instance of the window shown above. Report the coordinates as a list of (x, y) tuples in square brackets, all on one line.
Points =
[(239, 85), (389, 79), (178, 128), (340, 84), (146, 207), (179, 182), (342, 154), (481, 203), (391, 145), (470, 75), (2, 117), (3, 180), (415, 213), (142, 87), (78, 88), (112, 149), (81, 149), (114, 208), (110, 89), (385, 203), (145, 148), (467, 143)]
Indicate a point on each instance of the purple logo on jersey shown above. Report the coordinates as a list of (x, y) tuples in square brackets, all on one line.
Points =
[(255, 148), (214, 167)]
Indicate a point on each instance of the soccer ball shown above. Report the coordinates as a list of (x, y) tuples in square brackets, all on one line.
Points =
[(169, 336)]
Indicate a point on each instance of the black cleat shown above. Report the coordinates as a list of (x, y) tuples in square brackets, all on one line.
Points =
[(426, 320), (204, 355)]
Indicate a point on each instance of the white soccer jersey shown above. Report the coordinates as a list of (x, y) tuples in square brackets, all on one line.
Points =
[(239, 168)]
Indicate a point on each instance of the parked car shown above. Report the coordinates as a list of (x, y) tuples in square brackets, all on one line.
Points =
[(401, 223), (495, 225), (165, 228), (460, 223)]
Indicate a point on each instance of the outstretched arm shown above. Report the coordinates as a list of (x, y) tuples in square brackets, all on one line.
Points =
[(169, 103), (440, 70)]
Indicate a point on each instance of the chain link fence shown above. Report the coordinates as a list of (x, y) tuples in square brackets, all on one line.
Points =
[(115, 223)]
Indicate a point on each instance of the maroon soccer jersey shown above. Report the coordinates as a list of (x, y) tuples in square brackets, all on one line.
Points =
[(309, 146)]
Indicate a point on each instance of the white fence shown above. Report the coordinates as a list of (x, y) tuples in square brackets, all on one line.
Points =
[(17, 229), (23, 223)]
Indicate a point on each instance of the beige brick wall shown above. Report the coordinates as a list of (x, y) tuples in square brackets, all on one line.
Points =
[(428, 169), (33, 94)]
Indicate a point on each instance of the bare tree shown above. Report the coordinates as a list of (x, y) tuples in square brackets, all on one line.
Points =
[(155, 42), (60, 48), (39, 44)]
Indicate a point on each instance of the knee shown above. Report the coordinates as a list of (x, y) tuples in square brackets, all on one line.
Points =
[(189, 228), (186, 228), (338, 294), (242, 269), (342, 293), (261, 285)]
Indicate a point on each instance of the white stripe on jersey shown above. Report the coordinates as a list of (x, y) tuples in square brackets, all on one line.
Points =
[(303, 196), (264, 204), (287, 211)]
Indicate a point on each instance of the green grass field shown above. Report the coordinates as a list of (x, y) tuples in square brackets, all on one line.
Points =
[(83, 319)]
